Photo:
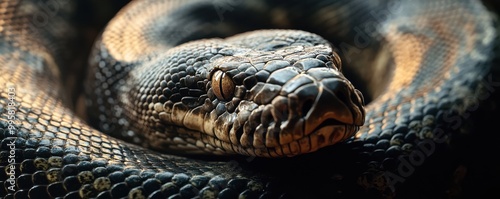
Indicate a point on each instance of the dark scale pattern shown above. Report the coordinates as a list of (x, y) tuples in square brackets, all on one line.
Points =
[(406, 148), (76, 174)]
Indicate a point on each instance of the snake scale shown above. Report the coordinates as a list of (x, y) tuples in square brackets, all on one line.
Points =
[(267, 97)]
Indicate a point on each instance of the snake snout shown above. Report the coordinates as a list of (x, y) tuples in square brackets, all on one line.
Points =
[(322, 107)]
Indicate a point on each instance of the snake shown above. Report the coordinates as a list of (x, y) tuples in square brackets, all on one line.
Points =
[(249, 99)]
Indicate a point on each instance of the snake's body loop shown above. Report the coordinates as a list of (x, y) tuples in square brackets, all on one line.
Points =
[(427, 71)]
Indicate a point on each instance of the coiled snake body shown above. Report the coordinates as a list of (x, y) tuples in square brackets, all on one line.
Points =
[(425, 68)]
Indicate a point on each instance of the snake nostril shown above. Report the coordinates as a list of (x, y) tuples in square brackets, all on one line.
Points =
[(306, 107)]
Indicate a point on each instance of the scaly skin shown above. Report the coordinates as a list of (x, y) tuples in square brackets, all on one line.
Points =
[(440, 63)]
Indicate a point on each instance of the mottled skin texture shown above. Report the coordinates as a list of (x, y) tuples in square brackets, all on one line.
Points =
[(438, 63)]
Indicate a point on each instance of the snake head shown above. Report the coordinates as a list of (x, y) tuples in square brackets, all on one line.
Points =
[(284, 99), (263, 93)]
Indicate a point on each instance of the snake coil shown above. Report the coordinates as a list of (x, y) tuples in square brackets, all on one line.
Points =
[(270, 95)]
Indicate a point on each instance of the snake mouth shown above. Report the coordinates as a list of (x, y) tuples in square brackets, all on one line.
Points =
[(327, 123), (328, 132)]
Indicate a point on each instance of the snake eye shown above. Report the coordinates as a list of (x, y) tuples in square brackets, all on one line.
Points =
[(222, 85)]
